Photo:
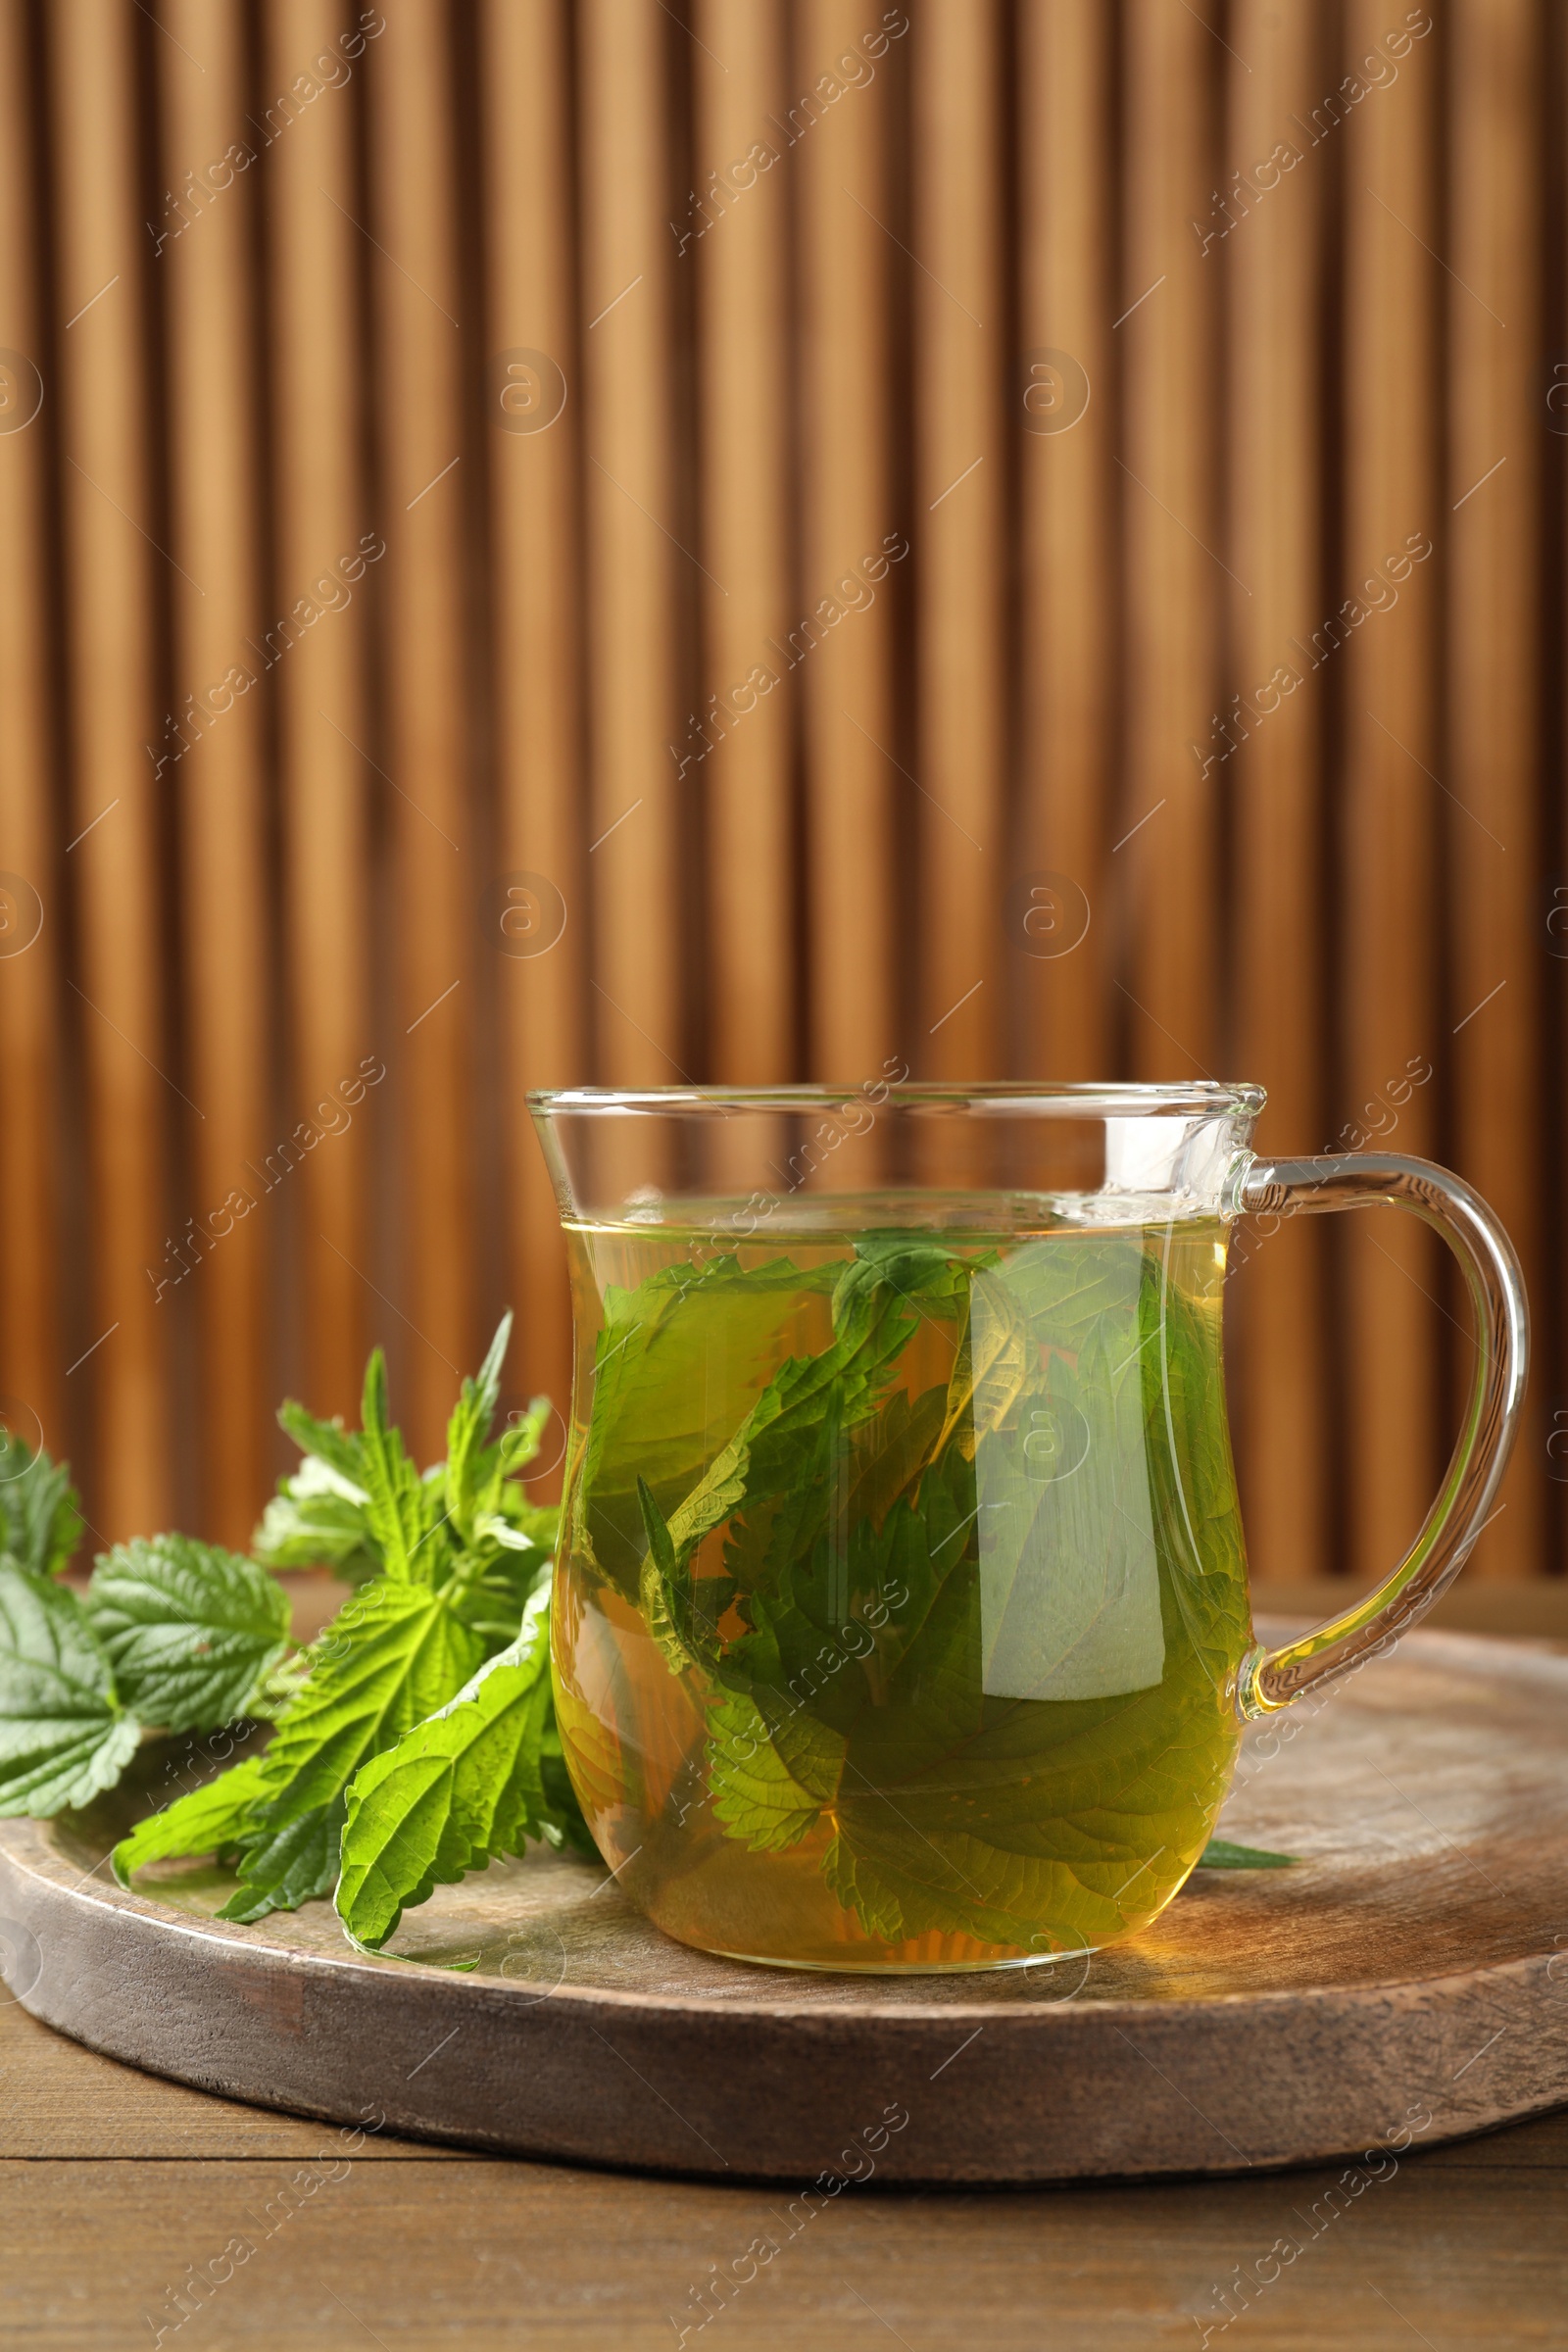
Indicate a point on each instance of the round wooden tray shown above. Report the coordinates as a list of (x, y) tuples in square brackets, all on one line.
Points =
[(1402, 1984)]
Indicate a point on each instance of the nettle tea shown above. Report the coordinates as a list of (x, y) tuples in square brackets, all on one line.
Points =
[(902, 1590), (900, 1617)]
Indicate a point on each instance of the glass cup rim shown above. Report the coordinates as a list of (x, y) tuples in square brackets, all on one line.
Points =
[(1012, 1097)]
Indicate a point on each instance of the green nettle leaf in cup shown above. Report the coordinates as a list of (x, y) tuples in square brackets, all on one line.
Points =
[(912, 1531)]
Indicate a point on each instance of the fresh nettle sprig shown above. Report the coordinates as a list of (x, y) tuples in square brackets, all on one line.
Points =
[(414, 1740), (172, 1632)]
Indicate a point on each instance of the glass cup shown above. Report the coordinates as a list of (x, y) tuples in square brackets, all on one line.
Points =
[(901, 1613)]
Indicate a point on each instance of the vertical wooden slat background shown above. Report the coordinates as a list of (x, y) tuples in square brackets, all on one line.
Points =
[(1389, 811), (532, 448), (960, 700), (425, 785), (702, 510), (1068, 708), (212, 371), (856, 912), (742, 293), (1492, 503), (320, 512), (111, 794), (1275, 495), (1175, 574), (30, 1030)]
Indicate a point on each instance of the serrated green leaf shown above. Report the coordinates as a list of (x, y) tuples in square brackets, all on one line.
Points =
[(208, 1820), (458, 1790), (63, 1734), (858, 1885), (755, 1794), (340, 1448), (291, 1866), (1222, 1854), (189, 1629), (311, 1522), (468, 1471), (40, 1523), (786, 1451), (648, 1386), (393, 1655), (394, 1505), (318, 1518)]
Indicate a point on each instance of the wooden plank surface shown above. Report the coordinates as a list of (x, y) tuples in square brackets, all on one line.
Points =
[(119, 2190)]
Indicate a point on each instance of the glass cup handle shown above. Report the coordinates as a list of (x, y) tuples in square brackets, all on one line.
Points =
[(1270, 1679)]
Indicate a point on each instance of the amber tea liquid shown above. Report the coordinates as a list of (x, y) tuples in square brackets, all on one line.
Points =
[(902, 1589)]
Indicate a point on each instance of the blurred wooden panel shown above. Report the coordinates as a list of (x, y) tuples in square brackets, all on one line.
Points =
[(1389, 797), (105, 436), (1272, 255), (32, 1364), (1494, 652), (962, 704), (642, 566), (436, 879), (212, 376), (1064, 422), (842, 642), (758, 289), (1167, 830), (733, 239), (640, 561), (320, 512), (533, 451)]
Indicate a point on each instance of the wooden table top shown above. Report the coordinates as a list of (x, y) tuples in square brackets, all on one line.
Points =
[(115, 2187)]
